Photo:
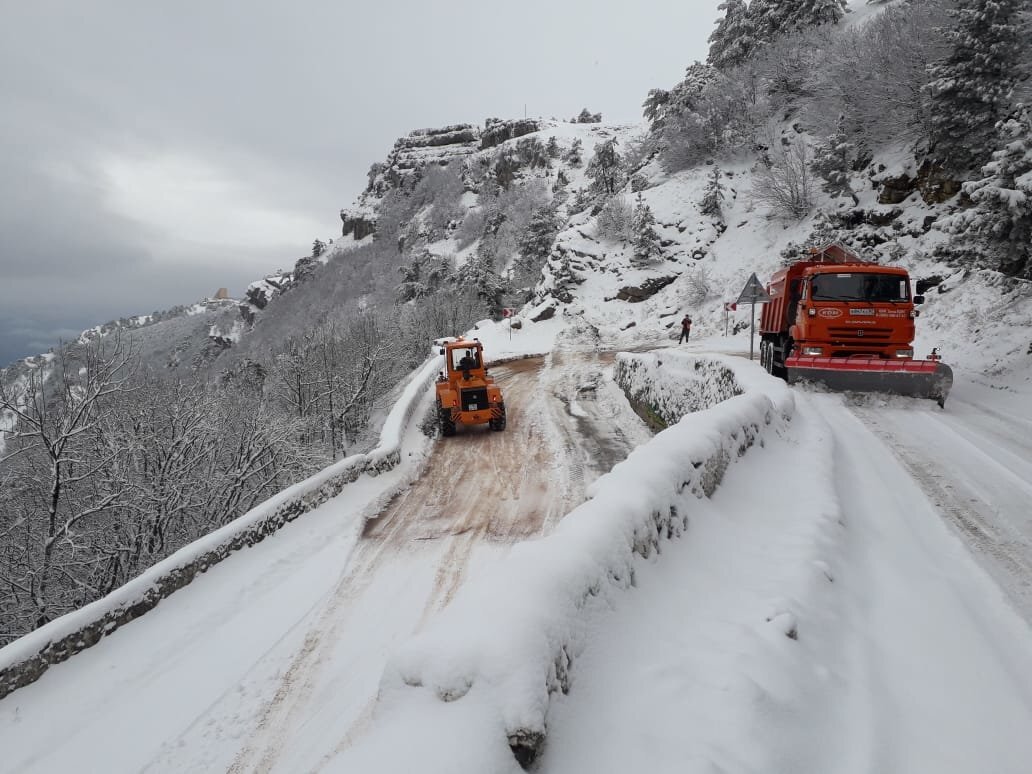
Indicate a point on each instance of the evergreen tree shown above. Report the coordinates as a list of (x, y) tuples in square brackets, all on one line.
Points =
[(573, 155), (997, 231), (504, 169), (477, 275), (970, 89), (422, 276), (833, 161), (552, 148), (768, 19), (645, 237), (605, 169), (654, 107), (536, 240), (732, 41), (318, 248), (813, 13), (713, 198)]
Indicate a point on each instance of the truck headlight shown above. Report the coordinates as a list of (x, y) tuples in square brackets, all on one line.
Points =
[(905, 353), (815, 351)]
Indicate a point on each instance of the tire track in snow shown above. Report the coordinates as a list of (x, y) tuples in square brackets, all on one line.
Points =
[(478, 489), (975, 484)]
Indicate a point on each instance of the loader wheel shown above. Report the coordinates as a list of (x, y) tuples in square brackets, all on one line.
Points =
[(446, 422), (498, 424)]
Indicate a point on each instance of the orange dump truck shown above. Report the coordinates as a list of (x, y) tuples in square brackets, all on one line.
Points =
[(846, 323), (466, 395)]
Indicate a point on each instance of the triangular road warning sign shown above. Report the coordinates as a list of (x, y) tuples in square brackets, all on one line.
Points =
[(753, 292)]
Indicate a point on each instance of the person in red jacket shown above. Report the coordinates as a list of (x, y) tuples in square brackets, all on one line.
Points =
[(686, 328)]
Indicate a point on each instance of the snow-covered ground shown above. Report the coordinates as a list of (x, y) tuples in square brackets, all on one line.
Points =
[(901, 655), (855, 596), (819, 613)]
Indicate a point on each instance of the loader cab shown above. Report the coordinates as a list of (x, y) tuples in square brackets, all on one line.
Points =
[(464, 359)]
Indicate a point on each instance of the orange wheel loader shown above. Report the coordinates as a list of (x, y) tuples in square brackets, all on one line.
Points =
[(466, 395)]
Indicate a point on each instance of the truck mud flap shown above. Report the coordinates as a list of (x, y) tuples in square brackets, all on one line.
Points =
[(914, 378)]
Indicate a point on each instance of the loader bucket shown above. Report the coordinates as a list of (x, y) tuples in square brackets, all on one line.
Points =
[(915, 378)]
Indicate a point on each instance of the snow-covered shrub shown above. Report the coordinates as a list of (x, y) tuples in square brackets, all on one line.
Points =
[(698, 286), (614, 220), (785, 183)]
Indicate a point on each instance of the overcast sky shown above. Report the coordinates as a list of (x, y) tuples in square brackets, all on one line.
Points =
[(152, 152)]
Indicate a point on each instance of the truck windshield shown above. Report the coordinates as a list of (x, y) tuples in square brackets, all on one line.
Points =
[(859, 287)]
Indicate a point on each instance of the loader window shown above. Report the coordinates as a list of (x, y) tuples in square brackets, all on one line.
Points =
[(465, 358), (859, 287)]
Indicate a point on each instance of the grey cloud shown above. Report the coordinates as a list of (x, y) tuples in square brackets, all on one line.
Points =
[(295, 101)]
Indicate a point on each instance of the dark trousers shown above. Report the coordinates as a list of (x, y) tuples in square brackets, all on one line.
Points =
[(684, 335)]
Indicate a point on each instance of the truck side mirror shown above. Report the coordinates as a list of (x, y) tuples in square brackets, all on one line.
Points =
[(918, 299), (442, 350)]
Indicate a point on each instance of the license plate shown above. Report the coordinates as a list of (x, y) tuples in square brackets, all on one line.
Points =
[(473, 406), (861, 311)]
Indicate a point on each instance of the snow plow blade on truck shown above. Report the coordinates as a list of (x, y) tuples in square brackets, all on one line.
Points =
[(848, 324), (913, 378)]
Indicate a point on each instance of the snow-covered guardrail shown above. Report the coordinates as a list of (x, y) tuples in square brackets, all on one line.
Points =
[(26, 659), (505, 645)]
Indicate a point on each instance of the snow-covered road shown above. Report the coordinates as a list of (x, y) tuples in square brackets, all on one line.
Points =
[(271, 661), (974, 462), (818, 616), (822, 612)]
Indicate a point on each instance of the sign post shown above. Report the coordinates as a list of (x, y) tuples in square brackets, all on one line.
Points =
[(753, 294), (729, 306), (508, 312)]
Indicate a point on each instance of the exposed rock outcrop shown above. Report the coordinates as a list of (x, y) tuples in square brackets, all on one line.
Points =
[(496, 131), (357, 224), (935, 184), (638, 293)]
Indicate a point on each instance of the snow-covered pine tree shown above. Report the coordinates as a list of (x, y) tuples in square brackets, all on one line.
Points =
[(768, 18), (573, 156), (997, 231), (645, 238), (713, 197), (833, 160), (802, 14), (732, 41), (605, 169), (477, 275), (552, 148), (535, 241), (970, 89), (318, 248), (423, 275)]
